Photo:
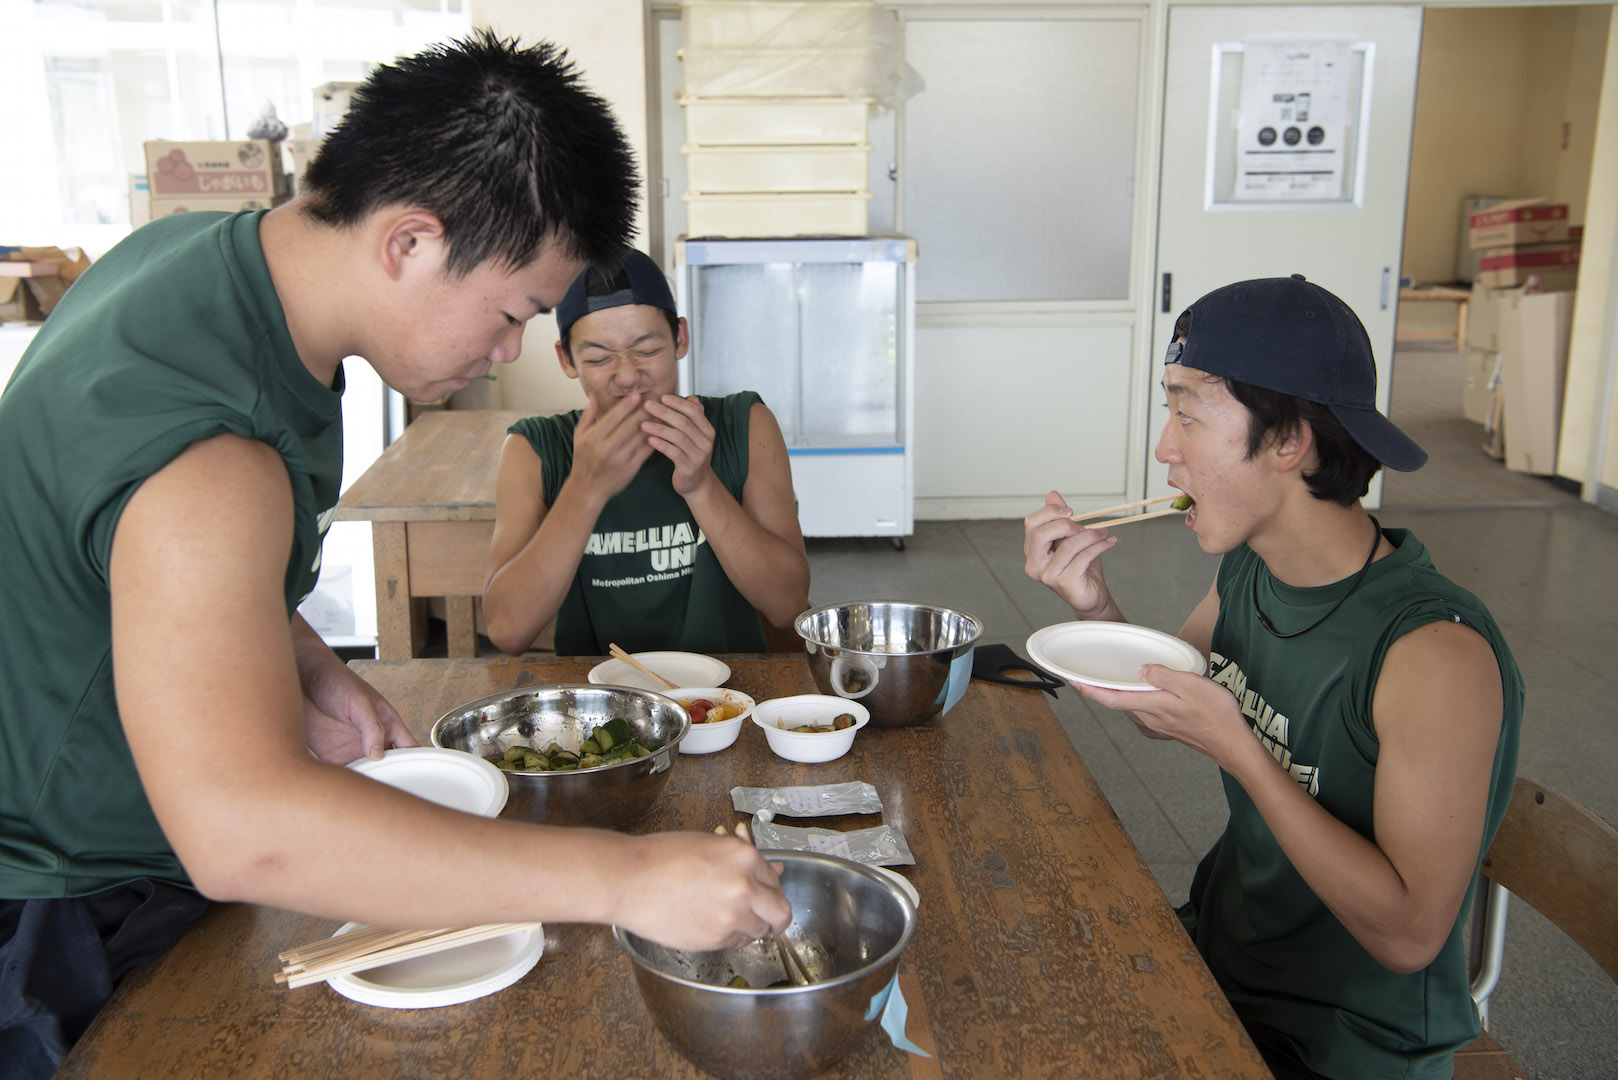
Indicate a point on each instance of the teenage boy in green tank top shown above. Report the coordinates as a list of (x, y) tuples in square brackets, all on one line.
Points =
[(173, 447), (1363, 709), (645, 519)]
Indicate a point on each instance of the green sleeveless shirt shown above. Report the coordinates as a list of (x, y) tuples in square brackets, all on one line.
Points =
[(174, 336), (648, 579), (1281, 956)]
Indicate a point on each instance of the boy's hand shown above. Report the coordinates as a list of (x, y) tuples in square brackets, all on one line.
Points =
[(1065, 557), (609, 447), (679, 430), (697, 891)]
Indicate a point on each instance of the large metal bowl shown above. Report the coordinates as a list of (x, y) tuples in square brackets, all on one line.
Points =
[(892, 657), (610, 796), (850, 925)]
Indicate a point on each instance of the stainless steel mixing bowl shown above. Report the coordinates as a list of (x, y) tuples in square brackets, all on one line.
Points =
[(850, 925), (610, 796), (892, 657)]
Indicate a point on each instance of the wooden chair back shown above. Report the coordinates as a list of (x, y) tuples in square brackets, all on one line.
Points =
[(1561, 859)]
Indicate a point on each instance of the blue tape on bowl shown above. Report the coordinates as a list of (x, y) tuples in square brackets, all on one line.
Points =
[(960, 673)]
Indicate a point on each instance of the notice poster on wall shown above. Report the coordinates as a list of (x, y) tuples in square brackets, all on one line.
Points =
[(1293, 132)]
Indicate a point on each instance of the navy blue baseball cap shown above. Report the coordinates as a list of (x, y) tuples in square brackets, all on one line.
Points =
[(1293, 337), (641, 281)]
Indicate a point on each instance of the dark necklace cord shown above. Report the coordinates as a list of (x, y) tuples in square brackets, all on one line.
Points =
[(1376, 542)]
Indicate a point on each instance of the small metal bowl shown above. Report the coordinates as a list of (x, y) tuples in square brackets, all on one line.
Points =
[(850, 924), (609, 796), (892, 657)]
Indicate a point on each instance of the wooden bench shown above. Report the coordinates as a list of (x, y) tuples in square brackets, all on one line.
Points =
[(1445, 294)]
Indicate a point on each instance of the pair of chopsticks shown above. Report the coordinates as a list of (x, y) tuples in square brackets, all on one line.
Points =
[(619, 654), (373, 947), (797, 971), (1127, 519)]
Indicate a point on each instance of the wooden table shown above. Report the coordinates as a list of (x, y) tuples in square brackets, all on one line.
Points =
[(1043, 947), (430, 501), (1437, 294)]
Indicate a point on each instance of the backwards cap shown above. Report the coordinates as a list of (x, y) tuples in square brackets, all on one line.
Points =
[(646, 285), (1293, 337)]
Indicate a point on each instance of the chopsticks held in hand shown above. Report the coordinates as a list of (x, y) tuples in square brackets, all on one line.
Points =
[(796, 969), (619, 654), (1126, 518), (370, 947)]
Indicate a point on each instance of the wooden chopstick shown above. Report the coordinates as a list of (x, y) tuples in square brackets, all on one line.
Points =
[(1130, 519), (796, 970), (619, 654), (1138, 503), (326, 959)]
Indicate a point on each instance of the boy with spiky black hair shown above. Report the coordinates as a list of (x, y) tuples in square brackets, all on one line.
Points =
[(173, 446)]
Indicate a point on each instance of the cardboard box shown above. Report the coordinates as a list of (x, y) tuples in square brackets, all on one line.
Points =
[(1530, 332), (1518, 221), (33, 280), (249, 168), (1554, 266), (164, 207), (1466, 259)]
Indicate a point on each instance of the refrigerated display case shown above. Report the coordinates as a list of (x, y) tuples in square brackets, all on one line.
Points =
[(823, 330)]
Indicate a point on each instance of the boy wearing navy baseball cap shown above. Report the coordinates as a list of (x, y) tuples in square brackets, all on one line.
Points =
[(1363, 709), (645, 519)]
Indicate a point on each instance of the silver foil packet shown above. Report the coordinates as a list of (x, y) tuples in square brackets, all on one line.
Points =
[(882, 845), (854, 797)]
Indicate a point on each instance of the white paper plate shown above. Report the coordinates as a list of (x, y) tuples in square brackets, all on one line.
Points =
[(449, 778), (1109, 654), (446, 978), (903, 883), (679, 668)]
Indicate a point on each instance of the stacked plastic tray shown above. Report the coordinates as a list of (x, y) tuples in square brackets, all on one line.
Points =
[(777, 103)]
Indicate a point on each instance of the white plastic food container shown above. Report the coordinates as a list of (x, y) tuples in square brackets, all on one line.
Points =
[(709, 738), (778, 714)]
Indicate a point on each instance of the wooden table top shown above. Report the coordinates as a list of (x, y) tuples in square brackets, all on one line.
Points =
[(1043, 948), (443, 468)]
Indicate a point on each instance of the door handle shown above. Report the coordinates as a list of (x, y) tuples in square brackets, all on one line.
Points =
[(1387, 278), (1168, 294)]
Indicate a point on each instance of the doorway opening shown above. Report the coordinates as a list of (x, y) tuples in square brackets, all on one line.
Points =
[(1506, 105)]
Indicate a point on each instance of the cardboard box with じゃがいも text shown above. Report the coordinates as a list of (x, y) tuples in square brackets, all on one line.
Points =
[(1519, 221), (240, 169)]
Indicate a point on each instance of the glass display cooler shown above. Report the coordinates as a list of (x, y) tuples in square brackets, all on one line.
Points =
[(823, 331)]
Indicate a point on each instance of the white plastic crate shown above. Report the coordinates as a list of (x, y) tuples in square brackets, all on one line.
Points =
[(720, 24), (775, 121), (777, 214), (776, 168), (747, 72)]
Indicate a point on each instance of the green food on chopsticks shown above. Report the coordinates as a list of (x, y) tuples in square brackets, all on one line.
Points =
[(1184, 502)]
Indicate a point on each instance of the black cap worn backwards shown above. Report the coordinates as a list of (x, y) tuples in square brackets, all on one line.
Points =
[(646, 285), (1293, 337)]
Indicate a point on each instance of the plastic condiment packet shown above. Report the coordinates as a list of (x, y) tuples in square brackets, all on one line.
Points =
[(854, 797), (882, 845)]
